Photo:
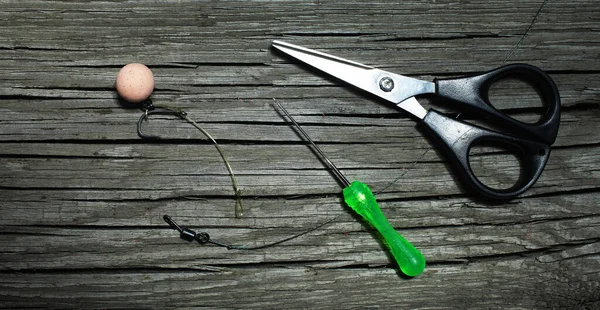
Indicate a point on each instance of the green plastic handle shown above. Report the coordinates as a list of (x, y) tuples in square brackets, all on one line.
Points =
[(360, 198)]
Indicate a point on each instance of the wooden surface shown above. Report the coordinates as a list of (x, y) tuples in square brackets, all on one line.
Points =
[(82, 197)]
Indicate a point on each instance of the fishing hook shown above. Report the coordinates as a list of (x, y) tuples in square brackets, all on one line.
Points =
[(150, 109)]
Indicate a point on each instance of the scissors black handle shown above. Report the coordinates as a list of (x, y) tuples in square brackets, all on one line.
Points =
[(530, 142), (473, 92), (457, 138)]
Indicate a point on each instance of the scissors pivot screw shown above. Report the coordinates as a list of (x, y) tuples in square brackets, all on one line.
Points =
[(386, 84)]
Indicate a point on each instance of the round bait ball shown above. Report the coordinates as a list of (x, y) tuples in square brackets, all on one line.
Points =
[(135, 82)]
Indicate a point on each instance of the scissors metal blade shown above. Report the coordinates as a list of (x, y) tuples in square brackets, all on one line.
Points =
[(389, 86)]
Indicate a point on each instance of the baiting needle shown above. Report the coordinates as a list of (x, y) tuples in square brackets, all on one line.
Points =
[(359, 197)]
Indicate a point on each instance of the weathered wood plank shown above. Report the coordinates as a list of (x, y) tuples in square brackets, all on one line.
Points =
[(117, 208), (279, 170), (82, 197), (529, 283), (564, 223), (257, 121)]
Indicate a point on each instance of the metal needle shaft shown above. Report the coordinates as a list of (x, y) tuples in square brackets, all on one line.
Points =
[(335, 170)]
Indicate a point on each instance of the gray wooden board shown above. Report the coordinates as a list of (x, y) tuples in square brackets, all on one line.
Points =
[(82, 197)]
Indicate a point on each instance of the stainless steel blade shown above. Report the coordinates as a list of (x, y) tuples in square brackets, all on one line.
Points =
[(389, 86)]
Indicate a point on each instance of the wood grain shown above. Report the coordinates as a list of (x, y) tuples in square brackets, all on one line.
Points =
[(82, 197)]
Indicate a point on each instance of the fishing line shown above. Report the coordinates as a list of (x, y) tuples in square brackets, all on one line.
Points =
[(527, 31), (203, 237), (150, 109)]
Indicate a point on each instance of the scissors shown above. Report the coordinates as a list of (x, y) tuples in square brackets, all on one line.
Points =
[(530, 142)]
